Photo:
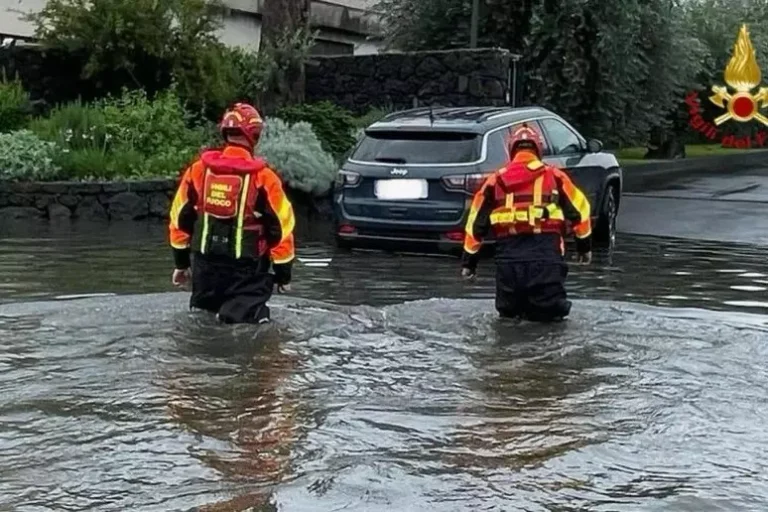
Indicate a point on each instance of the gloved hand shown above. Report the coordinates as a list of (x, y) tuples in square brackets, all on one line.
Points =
[(283, 276), (585, 259), (584, 248), (181, 276), (468, 265)]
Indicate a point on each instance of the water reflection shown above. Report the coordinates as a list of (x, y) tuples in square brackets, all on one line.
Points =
[(228, 387)]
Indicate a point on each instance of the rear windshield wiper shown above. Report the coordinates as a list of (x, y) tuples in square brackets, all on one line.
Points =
[(390, 160)]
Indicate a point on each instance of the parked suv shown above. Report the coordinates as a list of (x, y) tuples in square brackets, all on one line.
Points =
[(411, 178)]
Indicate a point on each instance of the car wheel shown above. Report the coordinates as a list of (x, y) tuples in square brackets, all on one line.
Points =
[(605, 234)]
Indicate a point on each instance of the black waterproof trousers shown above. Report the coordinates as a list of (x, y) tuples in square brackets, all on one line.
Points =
[(237, 291), (530, 278), (533, 291)]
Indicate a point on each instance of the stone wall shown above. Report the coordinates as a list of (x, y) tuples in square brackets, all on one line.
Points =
[(88, 201), (405, 80), (118, 201)]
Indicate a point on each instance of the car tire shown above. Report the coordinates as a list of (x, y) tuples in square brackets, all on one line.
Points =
[(605, 232)]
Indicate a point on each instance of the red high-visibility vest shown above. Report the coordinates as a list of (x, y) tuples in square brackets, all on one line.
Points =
[(526, 201)]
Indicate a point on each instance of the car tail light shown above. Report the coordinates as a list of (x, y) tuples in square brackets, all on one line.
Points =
[(347, 229), (454, 182), (467, 182), (347, 179), (456, 236), (475, 181)]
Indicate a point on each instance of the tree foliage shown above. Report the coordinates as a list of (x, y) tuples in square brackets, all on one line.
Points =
[(143, 43), (618, 69), (286, 37)]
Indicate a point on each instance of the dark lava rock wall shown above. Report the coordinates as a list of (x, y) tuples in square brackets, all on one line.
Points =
[(452, 78)]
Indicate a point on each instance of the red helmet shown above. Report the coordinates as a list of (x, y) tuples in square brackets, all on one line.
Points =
[(525, 138), (242, 119)]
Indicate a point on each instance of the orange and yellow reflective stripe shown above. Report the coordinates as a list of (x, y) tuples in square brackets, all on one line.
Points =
[(583, 227), (178, 238), (537, 186), (241, 217), (472, 244), (285, 250)]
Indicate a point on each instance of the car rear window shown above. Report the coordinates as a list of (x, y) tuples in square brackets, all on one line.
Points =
[(401, 147)]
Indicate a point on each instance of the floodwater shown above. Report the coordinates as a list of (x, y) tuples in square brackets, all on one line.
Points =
[(384, 384)]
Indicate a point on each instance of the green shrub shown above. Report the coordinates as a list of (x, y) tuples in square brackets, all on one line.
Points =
[(26, 157), (373, 115), (252, 71), (295, 152), (14, 105), (152, 126), (73, 126), (332, 124), (127, 136), (94, 163)]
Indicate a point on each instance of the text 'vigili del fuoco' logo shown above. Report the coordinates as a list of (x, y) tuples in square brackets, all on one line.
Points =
[(742, 75)]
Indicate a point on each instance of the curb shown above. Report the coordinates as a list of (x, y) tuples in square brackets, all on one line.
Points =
[(639, 176)]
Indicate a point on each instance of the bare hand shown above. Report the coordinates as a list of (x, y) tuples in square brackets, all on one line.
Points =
[(467, 274), (283, 288), (585, 259), (181, 277)]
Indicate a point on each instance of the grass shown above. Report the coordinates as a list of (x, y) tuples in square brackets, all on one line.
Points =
[(635, 155)]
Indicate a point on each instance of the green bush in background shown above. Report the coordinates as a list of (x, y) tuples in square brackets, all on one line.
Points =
[(26, 157), (150, 125), (128, 136), (373, 115), (73, 126), (333, 125), (295, 152), (14, 105)]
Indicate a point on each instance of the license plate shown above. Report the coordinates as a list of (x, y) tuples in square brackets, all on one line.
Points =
[(401, 189)]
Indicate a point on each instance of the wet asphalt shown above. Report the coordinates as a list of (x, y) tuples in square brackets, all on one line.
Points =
[(728, 207)]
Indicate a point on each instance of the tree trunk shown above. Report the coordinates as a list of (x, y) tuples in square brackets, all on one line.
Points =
[(280, 20)]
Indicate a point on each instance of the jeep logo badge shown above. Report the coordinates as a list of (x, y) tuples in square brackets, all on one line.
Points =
[(398, 172)]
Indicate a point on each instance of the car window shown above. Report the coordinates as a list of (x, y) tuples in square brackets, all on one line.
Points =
[(407, 147), (498, 143), (562, 138), (497, 148)]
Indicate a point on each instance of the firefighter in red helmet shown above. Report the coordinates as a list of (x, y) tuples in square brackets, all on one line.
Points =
[(231, 213), (525, 205)]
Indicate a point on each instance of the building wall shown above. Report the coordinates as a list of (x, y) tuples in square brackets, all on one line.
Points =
[(241, 29), (10, 22), (344, 25)]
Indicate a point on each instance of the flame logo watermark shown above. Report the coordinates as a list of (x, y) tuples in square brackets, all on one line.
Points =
[(742, 75)]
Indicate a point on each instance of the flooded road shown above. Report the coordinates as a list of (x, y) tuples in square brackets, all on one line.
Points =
[(367, 394)]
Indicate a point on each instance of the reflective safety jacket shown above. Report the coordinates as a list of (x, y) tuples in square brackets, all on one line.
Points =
[(231, 204), (527, 197)]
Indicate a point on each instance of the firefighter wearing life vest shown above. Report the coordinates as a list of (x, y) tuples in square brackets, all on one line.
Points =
[(525, 205), (231, 214)]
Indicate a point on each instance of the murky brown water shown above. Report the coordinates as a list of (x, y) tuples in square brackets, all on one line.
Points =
[(368, 394)]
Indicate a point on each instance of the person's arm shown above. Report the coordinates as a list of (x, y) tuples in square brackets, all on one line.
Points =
[(183, 216), (576, 209), (280, 222), (478, 224)]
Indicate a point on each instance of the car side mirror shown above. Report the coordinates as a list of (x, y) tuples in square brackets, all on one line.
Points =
[(594, 146)]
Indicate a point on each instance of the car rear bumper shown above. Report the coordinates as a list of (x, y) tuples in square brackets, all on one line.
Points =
[(400, 234), (406, 241)]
